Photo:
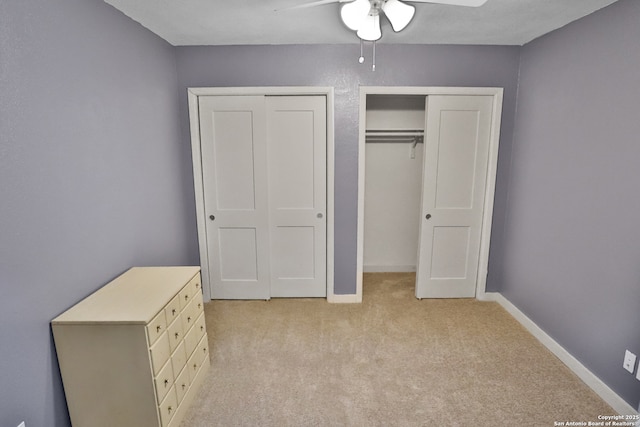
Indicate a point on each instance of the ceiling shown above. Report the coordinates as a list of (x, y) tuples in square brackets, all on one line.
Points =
[(236, 22)]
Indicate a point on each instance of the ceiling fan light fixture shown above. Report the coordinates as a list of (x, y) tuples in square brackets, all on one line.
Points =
[(353, 14), (370, 28), (398, 13)]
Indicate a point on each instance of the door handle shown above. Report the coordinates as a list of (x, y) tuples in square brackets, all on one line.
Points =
[(319, 215), (428, 216), (212, 217)]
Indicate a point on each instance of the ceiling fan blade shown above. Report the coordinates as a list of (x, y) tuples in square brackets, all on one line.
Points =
[(312, 4), (469, 3), (354, 14), (398, 13)]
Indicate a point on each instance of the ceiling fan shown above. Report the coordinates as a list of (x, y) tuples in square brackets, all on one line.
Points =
[(363, 16)]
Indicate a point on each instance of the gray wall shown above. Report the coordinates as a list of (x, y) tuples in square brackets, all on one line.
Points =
[(572, 241), (337, 66), (89, 181)]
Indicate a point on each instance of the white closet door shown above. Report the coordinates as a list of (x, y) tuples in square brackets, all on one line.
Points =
[(234, 167), (296, 140), (455, 169)]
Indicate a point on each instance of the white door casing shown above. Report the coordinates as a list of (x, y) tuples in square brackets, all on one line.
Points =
[(296, 141), (457, 137)]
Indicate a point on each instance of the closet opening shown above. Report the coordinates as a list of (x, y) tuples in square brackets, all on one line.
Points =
[(426, 181), (394, 147)]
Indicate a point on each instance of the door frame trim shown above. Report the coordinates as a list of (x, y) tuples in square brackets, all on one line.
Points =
[(494, 142), (196, 154)]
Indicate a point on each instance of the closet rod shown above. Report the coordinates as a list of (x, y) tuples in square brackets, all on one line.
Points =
[(402, 132), (416, 139), (414, 136)]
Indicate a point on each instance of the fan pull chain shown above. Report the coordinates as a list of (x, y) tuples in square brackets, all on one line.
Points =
[(361, 58), (373, 65)]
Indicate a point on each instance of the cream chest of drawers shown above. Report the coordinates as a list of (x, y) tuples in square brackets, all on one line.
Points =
[(134, 353)]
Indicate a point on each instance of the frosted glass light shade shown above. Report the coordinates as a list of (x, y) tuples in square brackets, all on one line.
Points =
[(399, 14), (354, 13), (370, 28)]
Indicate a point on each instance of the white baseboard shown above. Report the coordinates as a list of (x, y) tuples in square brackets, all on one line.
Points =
[(595, 383), (389, 268), (344, 299)]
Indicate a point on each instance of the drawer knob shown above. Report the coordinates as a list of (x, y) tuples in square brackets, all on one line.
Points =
[(189, 319), (173, 312), (166, 383), (186, 297), (184, 386), (169, 409), (199, 306), (202, 328), (197, 285), (177, 335), (158, 328), (195, 366)]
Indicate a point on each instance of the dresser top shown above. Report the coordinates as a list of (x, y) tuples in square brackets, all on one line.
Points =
[(136, 296)]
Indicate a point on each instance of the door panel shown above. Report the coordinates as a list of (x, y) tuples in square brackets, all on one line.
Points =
[(296, 139), (238, 254), (450, 249), (233, 157), (454, 180), (296, 249), (457, 153), (234, 162), (291, 146)]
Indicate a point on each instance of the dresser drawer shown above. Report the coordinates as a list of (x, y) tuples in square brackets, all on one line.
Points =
[(174, 331), (182, 384), (203, 350), (164, 381), (156, 327), (185, 296), (168, 408), (172, 310), (179, 358), (195, 285), (201, 325), (198, 305), (189, 316), (160, 352)]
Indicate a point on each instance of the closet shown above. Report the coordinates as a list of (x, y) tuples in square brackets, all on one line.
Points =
[(426, 172), (394, 160), (264, 186)]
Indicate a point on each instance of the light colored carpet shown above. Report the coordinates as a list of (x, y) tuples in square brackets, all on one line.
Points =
[(390, 361)]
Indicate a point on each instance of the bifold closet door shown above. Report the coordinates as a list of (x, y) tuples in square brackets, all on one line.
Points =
[(456, 155), (264, 179), (234, 169), (296, 141)]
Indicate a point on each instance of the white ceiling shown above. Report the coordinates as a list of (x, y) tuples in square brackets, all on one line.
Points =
[(234, 22)]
